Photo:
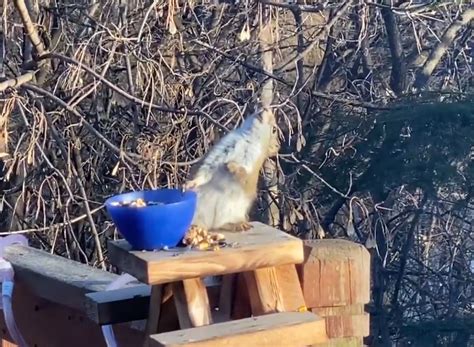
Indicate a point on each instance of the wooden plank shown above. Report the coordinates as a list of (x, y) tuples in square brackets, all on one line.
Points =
[(169, 316), (192, 303), (348, 326), (274, 289), (46, 324), (131, 304), (56, 278), (349, 310), (345, 321), (260, 247), (119, 305), (335, 273), (264, 294), (290, 287), (154, 309), (279, 329), (342, 342)]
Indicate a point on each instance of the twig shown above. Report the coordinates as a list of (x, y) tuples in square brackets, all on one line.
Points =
[(410, 9), (58, 225), (80, 178), (326, 183), (266, 100), (406, 249), (292, 7), (17, 81), (131, 86)]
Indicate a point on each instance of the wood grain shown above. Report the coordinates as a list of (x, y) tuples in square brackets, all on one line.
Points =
[(192, 303), (345, 321), (278, 329), (342, 342), (56, 278), (275, 289), (119, 305), (260, 247), (335, 273)]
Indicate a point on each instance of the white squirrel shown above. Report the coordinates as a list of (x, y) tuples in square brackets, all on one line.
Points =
[(226, 179)]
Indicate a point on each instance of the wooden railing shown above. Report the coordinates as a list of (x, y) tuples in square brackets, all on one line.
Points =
[(58, 302)]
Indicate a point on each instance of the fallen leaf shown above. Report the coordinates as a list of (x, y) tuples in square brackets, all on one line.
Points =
[(245, 33)]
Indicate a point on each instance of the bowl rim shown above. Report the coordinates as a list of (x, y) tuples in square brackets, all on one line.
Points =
[(190, 195)]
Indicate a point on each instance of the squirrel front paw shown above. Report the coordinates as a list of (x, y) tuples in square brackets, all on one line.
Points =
[(244, 226), (190, 185), (237, 227), (236, 169)]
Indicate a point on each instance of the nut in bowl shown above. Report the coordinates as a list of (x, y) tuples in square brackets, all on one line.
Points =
[(152, 219), (137, 203)]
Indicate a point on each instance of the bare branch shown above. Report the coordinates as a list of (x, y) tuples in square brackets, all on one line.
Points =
[(16, 82), (30, 27), (440, 49), (339, 13), (398, 73)]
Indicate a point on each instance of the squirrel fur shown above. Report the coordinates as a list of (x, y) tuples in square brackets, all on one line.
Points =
[(226, 179)]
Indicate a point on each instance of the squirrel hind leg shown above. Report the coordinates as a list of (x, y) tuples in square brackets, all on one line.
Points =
[(236, 227)]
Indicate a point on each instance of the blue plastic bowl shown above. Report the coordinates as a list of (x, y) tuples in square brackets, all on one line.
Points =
[(153, 226)]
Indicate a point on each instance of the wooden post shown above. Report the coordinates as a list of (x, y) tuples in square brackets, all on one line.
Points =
[(335, 278)]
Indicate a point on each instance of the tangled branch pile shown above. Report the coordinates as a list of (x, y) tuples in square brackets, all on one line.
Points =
[(100, 97)]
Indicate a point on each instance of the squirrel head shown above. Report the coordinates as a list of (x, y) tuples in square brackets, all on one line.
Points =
[(265, 115)]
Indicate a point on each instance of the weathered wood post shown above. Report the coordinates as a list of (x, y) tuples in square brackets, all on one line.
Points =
[(335, 278)]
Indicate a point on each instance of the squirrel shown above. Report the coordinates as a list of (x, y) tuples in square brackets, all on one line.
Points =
[(226, 179)]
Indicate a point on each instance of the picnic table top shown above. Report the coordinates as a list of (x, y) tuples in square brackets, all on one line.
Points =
[(260, 247)]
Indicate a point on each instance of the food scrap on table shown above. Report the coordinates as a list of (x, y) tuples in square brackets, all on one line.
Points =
[(201, 239)]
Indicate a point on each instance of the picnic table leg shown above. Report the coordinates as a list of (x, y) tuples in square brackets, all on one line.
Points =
[(192, 303), (154, 310), (274, 289)]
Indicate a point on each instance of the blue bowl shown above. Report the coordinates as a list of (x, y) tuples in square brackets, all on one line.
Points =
[(153, 226)]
